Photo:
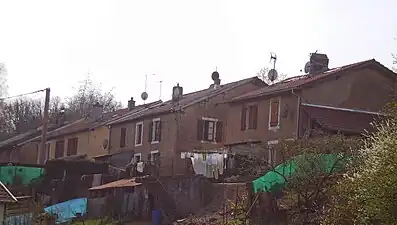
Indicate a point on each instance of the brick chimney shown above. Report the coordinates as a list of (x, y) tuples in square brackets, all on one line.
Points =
[(61, 117), (131, 104), (97, 111)]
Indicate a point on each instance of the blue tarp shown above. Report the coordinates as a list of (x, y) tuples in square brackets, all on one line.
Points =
[(66, 211)]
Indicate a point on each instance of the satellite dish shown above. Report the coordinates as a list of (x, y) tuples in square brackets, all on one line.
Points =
[(307, 67), (215, 76), (144, 96), (272, 75)]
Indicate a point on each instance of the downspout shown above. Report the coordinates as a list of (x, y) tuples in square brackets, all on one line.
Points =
[(297, 114)]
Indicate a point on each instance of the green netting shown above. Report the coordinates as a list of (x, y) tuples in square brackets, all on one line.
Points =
[(19, 174), (274, 180)]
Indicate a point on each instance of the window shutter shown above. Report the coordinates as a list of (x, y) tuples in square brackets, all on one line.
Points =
[(122, 137), (243, 117), (200, 129), (160, 130), (206, 125), (150, 136), (219, 132), (254, 116)]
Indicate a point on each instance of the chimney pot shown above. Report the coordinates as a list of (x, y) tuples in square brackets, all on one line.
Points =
[(97, 111), (131, 104)]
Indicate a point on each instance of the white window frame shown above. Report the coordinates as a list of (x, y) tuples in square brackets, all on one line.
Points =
[(278, 114), (154, 130), (214, 134), (247, 115), (136, 134), (137, 154), (152, 153)]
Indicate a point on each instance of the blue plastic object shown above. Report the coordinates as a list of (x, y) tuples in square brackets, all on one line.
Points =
[(66, 211), (156, 217)]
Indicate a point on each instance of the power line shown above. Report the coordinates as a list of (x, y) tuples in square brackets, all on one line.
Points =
[(20, 95)]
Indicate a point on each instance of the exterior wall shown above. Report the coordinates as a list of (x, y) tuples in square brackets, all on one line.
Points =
[(287, 128), (96, 139), (365, 89), (29, 153), (82, 144), (179, 131), (165, 146)]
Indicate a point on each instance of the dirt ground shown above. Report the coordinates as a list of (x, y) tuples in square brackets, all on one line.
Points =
[(213, 213)]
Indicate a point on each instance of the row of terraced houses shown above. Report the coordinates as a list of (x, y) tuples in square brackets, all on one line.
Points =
[(224, 116)]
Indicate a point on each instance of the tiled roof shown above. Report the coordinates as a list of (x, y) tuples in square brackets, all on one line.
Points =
[(18, 139), (342, 120), (6, 195), (187, 100), (87, 123), (117, 184), (298, 81)]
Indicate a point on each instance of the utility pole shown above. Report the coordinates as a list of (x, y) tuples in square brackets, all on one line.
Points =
[(44, 127)]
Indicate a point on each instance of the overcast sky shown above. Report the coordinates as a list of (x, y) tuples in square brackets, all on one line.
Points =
[(56, 43)]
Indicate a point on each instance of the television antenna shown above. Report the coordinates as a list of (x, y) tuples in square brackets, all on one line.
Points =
[(144, 94), (161, 87)]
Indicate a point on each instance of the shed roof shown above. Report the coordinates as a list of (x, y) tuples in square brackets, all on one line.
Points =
[(117, 184)]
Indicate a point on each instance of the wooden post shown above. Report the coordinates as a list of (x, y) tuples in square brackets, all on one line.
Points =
[(44, 127)]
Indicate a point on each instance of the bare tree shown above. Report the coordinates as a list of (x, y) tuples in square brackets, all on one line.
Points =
[(88, 93), (23, 114), (263, 75)]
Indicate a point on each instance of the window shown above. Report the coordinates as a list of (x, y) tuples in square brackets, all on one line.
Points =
[(72, 146), (154, 156), (272, 156), (209, 129), (137, 157), (274, 114), (155, 131), (272, 159), (123, 134), (138, 134), (59, 149), (249, 117)]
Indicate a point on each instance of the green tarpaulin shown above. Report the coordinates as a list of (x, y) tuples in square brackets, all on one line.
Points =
[(274, 180), (19, 174)]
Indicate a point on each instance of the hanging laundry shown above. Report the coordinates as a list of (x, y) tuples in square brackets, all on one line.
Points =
[(139, 167), (216, 173), (204, 156), (220, 160), (209, 171), (198, 164), (214, 159)]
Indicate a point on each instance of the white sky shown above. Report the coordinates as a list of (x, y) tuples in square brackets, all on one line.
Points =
[(55, 43)]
